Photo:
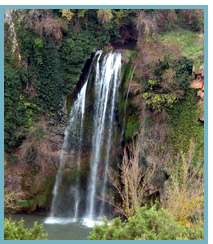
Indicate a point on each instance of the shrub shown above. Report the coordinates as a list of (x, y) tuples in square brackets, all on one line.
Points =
[(104, 15), (132, 183), (67, 14), (185, 193), (146, 224), (159, 102), (16, 230), (170, 83), (10, 204), (191, 19)]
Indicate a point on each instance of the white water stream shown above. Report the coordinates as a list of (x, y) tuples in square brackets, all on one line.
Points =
[(106, 83)]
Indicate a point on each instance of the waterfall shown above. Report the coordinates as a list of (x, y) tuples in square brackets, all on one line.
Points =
[(70, 201), (106, 85), (12, 32), (76, 118), (116, 83)]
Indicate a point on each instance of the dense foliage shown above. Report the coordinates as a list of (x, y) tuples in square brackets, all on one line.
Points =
[(16, 230), (185, 126), (146, 224), (171, 80), (53, 52), (55, 44), (15, 107)]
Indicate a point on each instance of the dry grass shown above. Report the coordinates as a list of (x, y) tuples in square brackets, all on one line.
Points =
[(145, 24), (133, 182), (104, 15), (10, 199), (44, 23), (185, 191), (37, 149)]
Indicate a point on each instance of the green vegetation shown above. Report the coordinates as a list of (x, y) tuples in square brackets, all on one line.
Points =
[(35, 86), (171, 80), (15, 110), (184, 193), (16, 230), (190, 44), (132, 127), (185, 126), (159, 101), (179, 215), (147, 224), (156, 188)]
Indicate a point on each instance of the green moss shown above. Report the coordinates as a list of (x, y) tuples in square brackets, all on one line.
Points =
[(25, 203), (132, 126), (127, 72), (185, 126), (43, 199), (127, 111)]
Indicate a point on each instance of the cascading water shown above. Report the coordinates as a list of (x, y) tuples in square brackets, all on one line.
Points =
[(71, 202), (106, 86), (76, 118), (12, 32)]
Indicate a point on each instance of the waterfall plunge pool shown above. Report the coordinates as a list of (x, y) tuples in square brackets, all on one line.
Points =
[(59, 228), (87, 222)]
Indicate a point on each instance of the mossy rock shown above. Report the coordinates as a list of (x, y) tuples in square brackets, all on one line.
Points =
[(132, 127), (43, 200), (40, 198), (26, 205)]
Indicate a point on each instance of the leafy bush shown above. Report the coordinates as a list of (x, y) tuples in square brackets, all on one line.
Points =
[(182, 75), (75, 50), (10, 202), (146, 224), (16, 230), (171, 81), (159, 101)]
